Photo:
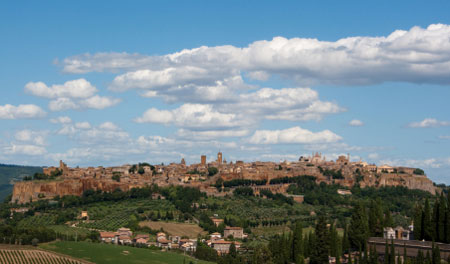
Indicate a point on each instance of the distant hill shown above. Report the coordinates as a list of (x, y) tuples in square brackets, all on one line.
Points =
[(11, 173)]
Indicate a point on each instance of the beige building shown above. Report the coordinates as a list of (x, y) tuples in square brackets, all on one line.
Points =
[(235, 232)]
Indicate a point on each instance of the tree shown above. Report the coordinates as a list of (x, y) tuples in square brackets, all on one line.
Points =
[(319, 253), (262, 255), (418, 222), (233, 252), (116, 177), (388, 222), (359, 229), (419, 172), (345, 241), (376, 218), (297, 242), (436, 254), (426, 225), (212, 171), (334, 242), (34, 242)]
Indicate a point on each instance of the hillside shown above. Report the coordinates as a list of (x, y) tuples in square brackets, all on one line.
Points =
[(11, 173), (106, 253)]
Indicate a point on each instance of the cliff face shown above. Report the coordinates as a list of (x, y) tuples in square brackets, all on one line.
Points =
[(24, 192), (409, 181)]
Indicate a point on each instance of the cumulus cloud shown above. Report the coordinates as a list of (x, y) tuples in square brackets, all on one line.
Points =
[(192, 116), (418, 55), (433, 163), (27, 111), (293, 135), (356, 123), (95, 102), (24, 149), (429, 122), (71, 89), (75, 94), (209, 134), (30, 136), (245, 111), (61, 120), (83, 125), (85, 133)]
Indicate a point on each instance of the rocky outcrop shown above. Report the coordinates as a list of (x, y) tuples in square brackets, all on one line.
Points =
[(27, 191)]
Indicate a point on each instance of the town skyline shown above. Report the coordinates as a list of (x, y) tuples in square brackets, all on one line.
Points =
[(257, 81)]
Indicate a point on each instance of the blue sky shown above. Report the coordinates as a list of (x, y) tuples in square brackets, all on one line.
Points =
[(114, 82)]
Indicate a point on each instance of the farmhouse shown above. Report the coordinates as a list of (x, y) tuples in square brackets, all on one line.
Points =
[(109, 237), (223, 247), (235, 232), (216, 221)]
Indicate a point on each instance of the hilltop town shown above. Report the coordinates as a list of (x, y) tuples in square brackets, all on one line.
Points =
[(211, 177)]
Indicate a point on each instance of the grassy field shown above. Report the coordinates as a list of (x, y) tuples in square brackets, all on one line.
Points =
[(175, 229), (107, 253)]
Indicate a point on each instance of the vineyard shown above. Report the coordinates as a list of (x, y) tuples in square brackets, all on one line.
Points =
[(37, 220), (110, 222), (13, 256), (111, 216)]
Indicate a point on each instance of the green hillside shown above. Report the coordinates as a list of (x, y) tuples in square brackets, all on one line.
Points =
[(107, 253), (11, 173)]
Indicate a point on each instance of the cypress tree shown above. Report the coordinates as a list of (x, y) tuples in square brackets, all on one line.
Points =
[(435, 220), (297, 242), (442, 218), (319, 253), (345, 241), (392, 253), (404, 253), (447, 220), (333, 241), (306, 245), (419, 258), (428, 257), (359, 230), (388, 219), (436, 255), (427, 227), (386, 252), (376, 218), (418, 222), (366, 255)]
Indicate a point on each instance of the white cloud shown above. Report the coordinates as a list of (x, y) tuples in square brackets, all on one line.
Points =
[(293, 135), (62, 104), (429, 122), (99, 102), (95, 102), (24, 149), (61, 120), (209, 134), (83, 125), (109, 126), (75, 94), (35, 137), (433, 163), (191, 116), (105, 62), (71, 89), (27, 111), (373, 156), (418, 55), (356, 123), (444, 137)]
